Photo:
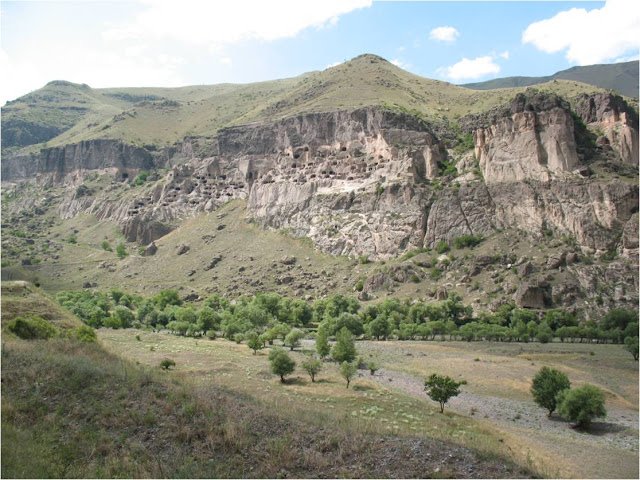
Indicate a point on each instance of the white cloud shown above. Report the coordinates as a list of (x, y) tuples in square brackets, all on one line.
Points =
[(504, 55), (226, 61), (399, 63), (470, 69), (444, 34), (197, 22), (589, 37)]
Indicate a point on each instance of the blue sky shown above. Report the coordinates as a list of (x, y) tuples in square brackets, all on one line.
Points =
[(173, 43)]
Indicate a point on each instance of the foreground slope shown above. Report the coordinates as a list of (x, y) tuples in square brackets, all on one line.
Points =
[(90, 413)]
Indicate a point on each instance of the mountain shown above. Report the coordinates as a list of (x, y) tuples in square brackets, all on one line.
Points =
[(216, 188), (62, 112), (619, 77)]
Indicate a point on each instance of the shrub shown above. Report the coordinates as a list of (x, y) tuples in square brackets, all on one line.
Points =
[(581, 405), (547, 384), (121, 250), (211, 334), (254, 342), (442, 247), (467, 241), (348, 371), (373, 367), (359, 286), (441, 388), (312, 366), (84, 333), (106, 246), (32, 328), (344, 350), (167, 363), (281, 363)]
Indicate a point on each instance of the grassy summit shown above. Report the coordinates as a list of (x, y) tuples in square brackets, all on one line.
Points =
[(62, 112)]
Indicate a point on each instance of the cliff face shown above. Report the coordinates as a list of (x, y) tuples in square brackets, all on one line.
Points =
[(56, 164), (368, 181)]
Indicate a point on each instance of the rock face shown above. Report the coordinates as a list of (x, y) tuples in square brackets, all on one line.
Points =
[(610, 114), (535, 142), (368, 181)]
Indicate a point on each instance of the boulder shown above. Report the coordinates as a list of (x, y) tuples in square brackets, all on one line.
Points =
[(533, 295), (182, 248), (150, 250)]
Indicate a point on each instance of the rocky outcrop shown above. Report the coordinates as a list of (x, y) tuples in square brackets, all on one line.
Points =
[(535, 141), (610, 114), (57, 163)]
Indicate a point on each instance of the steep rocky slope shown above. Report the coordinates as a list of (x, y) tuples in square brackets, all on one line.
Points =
[(375, 181)]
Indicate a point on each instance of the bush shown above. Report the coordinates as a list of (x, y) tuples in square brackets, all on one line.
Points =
[(312, 366), (167, 363), (547, 384), (373, 367), (441, 388), (442, 247), (84, 333), (581, 405), (106, 246), (121, 250), (348, 371), (281, 363), (32, 328), (254, 342), (467, 241)]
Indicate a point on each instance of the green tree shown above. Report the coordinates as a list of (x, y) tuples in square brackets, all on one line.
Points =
[(379, 327), (312, 366), (322, 343), (292, 340), (281, 363), (581, 405), (441, 388), (344, 350), (373, 367), (546, 386), (254, 342), (348, 371), (544, 333), (631, 345)]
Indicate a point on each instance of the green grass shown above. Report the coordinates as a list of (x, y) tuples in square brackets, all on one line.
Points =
[(174, 113)]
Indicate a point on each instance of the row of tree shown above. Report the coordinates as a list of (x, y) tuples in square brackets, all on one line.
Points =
[(271, 316)]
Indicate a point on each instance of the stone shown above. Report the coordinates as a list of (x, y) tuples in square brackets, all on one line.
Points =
[(150, 250), (525, 269), (533, 295), (182, 248)]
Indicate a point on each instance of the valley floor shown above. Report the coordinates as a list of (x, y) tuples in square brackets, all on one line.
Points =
[(494, 413)]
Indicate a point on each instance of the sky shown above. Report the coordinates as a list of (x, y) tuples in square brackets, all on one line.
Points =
[(175, 43)]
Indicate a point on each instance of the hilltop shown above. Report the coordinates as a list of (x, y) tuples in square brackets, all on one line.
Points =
[(63, 112)]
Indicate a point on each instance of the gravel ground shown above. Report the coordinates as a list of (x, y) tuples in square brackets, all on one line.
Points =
[(618, 430)]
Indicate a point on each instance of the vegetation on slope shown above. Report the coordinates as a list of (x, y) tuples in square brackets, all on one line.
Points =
[(162, 116)]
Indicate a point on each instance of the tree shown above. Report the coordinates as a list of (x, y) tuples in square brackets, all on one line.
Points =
[(344, 350), (312, 366), (580, 405), (348, 371), (322, 343), (544, 333), (292, 340), (254, 342), (373, 367), (441, 388), (281, 363), (631, 345), (547, 384)]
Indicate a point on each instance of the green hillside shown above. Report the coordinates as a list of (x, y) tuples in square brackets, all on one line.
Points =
[(621, 77), (162, 116)]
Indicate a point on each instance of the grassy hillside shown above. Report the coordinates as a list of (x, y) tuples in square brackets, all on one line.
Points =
[(621, 77), (162, 116), (73, 409)]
